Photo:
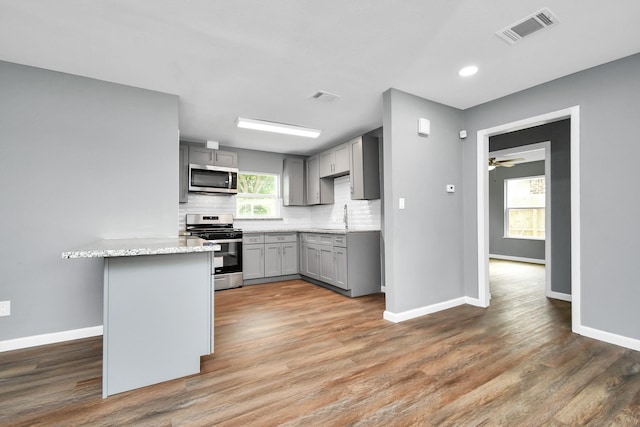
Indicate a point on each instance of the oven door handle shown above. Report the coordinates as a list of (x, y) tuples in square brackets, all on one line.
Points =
[(225, 241)]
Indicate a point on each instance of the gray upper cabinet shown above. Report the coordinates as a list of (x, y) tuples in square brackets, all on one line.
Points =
[(365, 168), (183, 177), (205, 156), (201, 156), (226, 158), (293, 182), (335, 162), (319, 190)]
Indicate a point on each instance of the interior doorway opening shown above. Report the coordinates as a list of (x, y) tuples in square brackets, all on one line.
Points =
[(514, 232), (483, 135)]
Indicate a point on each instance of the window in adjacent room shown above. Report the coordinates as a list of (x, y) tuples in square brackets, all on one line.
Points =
[(524, 210), (257, 195)]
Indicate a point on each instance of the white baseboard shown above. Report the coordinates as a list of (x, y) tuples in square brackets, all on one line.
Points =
[(383, 289), (418, 312), (518, 259), (474, 301), (55, 337), (609, 337), (559, 295)]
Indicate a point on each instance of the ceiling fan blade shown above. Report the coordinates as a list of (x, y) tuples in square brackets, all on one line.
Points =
[(506, 165), (511, 160)]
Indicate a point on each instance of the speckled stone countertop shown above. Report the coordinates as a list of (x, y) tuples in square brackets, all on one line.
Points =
[(142, 246), (306, 230)]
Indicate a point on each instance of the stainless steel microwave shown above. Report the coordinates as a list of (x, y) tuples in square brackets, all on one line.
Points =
[(213, 179)]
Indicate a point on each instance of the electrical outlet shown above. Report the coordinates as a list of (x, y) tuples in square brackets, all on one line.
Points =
[(5, 308)]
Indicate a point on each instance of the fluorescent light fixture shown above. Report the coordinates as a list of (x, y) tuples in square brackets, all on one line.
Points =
[(468, 71), (276, 127)]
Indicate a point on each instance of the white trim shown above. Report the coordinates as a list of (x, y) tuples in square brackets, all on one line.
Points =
[(473, 301), (421, 311), (55, 337), (518, 259), (558, 295), (482, 157), (609, 337), (576, 317)]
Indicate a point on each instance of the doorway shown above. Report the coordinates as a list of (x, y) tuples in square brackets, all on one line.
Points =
[(482, 142), (523, 163)]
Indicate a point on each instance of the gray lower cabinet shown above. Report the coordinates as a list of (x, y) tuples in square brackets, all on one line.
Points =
[(280, 259), (340, 273), (350, 262), (326, 273), (311, 254), (252, 261), (269, 255)]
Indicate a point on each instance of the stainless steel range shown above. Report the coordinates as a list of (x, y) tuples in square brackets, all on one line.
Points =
[(227, 265)]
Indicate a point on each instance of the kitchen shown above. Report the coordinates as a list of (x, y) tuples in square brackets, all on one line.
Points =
[(361, 214), (88, 158)]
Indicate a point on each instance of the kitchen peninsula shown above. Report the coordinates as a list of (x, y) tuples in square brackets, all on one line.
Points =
[(158, 308)]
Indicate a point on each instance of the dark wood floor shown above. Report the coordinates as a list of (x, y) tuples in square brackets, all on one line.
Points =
[(295, 354)]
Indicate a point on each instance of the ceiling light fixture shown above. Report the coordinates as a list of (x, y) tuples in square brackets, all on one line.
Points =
[(266, 126), (468, 71)]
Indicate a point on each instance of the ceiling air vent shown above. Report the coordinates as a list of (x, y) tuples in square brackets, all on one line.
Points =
[(325, 96), (526, 26)]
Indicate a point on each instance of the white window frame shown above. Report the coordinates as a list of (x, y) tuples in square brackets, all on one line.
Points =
[(277, 198), (507, 208)]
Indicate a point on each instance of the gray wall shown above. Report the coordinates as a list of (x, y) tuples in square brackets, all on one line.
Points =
[(423, 243), (80, 160), (498, 244), (609, 100), (559, 134)]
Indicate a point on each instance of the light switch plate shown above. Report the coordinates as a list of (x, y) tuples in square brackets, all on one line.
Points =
[(401, 203)]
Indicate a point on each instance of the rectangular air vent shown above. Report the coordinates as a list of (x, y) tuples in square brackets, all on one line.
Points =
[(526, 26), (324, 96)]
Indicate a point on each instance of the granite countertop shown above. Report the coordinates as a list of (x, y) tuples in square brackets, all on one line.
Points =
[(142, 246), (307, 230)]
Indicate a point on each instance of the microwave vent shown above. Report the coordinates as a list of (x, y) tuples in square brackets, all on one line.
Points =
[(527, 26)]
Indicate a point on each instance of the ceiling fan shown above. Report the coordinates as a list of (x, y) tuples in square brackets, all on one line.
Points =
[(493, 163)]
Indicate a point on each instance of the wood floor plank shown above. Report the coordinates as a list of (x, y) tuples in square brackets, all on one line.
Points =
[(295, 354)]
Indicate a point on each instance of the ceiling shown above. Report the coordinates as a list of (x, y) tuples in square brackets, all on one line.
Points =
[(265, 59)]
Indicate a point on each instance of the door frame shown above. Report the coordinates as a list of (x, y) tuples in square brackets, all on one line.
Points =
[(482, 179)]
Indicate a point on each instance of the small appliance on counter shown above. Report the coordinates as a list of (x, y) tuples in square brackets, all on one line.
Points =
[(218, 229)]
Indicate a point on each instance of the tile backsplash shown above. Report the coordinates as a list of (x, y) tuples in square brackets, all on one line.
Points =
[(362, 214)]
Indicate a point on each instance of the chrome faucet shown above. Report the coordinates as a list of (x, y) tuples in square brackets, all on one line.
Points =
[(346, 218)]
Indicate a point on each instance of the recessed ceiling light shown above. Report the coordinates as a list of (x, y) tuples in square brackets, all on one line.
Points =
[(286, 129), (468, 71)]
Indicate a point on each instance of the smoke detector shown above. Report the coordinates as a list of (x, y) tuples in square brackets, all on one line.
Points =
[(324, 96), (527, 26)]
